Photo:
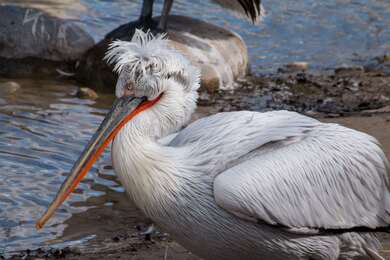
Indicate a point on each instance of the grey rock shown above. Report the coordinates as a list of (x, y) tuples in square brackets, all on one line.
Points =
[(8, 87), (295, 67), (350, 100), (328, 105), (29, 35), (26, 32)]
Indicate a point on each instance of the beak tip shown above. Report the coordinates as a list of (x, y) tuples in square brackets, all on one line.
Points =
[(123, 110), (39, 225)]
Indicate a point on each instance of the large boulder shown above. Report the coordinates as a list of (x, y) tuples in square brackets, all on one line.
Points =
[(220, 54), (33, 42)]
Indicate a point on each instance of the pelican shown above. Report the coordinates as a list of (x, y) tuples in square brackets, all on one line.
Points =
[(235, 185), (250, 8)]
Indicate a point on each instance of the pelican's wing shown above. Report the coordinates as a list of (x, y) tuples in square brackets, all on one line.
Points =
[(249, 8), (327, 177), (220, 141), (167, 139)]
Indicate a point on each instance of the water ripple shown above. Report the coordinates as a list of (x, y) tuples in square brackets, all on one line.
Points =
[(40, 138)]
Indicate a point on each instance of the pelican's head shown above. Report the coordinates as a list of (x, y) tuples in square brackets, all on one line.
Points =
[(148, 67), (156, 92)]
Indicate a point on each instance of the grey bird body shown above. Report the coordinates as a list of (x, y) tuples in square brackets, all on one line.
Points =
[(192, 198)]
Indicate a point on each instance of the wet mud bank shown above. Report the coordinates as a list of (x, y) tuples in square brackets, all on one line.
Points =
[(339, 92)]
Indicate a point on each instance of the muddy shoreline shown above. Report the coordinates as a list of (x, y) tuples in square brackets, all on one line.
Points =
[(344, 91), (361, 94)]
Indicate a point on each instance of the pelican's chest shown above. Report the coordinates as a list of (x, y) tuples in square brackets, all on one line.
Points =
[(147, 174)]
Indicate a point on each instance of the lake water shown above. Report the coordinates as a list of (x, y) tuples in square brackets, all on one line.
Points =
[(43, 126), (324, 33)]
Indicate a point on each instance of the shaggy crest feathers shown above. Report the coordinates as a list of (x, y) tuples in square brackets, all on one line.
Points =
[(142, 46), (147, 59)]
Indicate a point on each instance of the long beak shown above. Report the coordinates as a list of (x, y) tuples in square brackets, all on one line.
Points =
[(123, 110)]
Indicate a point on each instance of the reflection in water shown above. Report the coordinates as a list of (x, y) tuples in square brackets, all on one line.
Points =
[(43, 129), (324, 33)]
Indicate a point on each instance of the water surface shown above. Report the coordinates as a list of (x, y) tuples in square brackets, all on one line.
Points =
[(324, 33), (43, 128)]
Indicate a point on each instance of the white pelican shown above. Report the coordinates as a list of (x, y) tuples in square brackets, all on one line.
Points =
[(238, 185), (250, 8)]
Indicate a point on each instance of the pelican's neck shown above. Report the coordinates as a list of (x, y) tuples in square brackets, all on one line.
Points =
[(168, 115), (147, 169)]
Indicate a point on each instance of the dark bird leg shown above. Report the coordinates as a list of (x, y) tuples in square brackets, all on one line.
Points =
[(144, 22), (162, 25), (147, 12)]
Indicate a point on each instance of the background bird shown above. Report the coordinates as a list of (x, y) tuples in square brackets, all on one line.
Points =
[(249, 8), (238, 185)]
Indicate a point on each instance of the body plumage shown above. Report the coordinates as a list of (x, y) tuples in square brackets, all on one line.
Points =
[(176, 184)]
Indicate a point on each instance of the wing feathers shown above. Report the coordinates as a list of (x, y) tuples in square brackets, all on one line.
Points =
[(334, 178)]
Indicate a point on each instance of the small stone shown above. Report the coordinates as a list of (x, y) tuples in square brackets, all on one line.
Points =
[(329, 105), (312, 113), (9, 87), (87, 93), (354, 87), (384, 98), (351, 100), (297, 66), (346, 69)]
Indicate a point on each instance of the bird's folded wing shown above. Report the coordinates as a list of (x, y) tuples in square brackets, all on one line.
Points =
[(333, 178), (219, 141)]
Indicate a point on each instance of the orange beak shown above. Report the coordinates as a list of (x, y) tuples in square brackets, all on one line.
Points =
[(122, 111)]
